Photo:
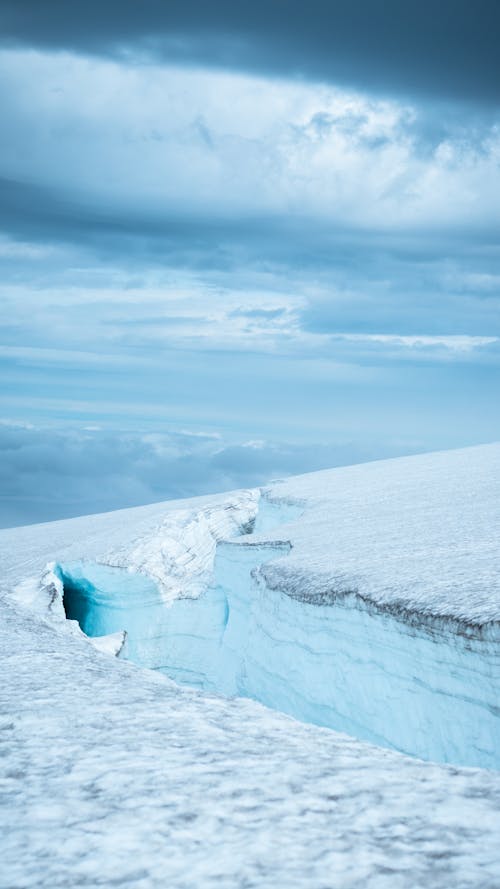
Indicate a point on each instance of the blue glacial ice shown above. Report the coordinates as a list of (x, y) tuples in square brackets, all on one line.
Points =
[(383, 619), (424, 690)]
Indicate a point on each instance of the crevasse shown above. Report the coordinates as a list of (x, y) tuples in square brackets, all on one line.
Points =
[(425, 691)]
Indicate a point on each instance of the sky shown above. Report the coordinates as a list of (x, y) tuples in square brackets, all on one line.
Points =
[(239, 241)]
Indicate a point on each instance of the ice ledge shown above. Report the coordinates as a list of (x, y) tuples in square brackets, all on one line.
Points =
[(330, 662), (342, 591), (417, 535), (178, 555)]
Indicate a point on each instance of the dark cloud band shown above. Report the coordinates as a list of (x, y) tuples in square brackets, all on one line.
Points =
[(445, 49)]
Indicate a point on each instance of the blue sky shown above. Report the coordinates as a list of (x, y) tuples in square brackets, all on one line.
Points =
[(239, 244)]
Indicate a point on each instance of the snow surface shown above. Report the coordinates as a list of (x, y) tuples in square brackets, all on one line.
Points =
[(113, 775), (413, 534)]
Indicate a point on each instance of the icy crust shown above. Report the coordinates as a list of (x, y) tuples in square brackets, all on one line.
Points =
[(112, 776), (179, 555), (173, 543), (341, 592), (418, 536)]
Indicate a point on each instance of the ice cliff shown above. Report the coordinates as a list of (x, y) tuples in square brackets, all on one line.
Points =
[(424, 687)]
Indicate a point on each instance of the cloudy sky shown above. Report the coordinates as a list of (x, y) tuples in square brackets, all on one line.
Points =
[(242, 240)]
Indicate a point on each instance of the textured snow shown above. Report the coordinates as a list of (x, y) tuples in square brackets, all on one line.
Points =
[(173, 543), (414, 534), (114, 775)]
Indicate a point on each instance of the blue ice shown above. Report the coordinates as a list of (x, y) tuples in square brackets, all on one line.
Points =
[(430, 694)]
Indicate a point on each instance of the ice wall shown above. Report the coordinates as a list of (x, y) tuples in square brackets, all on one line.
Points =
[(426, 691)]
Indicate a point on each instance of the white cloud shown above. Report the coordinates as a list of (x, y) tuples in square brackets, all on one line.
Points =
[(156, 137), (18, 250), (47, 474), (454, 343), (213, 231)]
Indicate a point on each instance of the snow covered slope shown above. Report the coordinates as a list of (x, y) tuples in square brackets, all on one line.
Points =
[(113, 776), (415, 534), (366, 599)]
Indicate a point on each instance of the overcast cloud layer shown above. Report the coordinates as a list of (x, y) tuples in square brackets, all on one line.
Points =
[(446, 49), (202, 237), (47, 473)]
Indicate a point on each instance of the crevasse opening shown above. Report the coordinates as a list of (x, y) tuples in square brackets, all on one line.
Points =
[(430, 694)]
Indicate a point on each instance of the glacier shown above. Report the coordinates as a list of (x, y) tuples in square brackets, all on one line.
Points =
[(425, 691), (139, 647)]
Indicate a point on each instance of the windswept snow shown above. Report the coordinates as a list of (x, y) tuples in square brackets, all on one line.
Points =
[(173, 543), (372, 591), (180, 555), (413, 534), (113, 776)]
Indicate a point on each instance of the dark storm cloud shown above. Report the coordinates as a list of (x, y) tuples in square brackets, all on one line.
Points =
[(445, 49), (105, 156)]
